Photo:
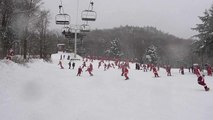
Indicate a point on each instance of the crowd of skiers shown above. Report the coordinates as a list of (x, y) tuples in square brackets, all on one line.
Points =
[(124, 67)]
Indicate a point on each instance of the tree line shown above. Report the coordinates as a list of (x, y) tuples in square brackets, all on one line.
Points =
[(24, 27)]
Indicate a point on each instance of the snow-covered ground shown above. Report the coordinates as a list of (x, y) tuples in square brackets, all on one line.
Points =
[(43, 91)]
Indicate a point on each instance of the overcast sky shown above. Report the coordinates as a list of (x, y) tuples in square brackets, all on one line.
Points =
[(176, 17)]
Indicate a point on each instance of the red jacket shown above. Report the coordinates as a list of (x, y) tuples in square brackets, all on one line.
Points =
[(126, 70)]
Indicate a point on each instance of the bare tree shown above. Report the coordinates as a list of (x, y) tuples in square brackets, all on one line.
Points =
[(41, 27)]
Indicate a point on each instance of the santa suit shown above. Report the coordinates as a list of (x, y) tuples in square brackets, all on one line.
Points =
[(79, 71), (123, 70), (91, 66), (197, 72), (126, 71), (90, 71), (155, 72), (201, 81), (209, 70)]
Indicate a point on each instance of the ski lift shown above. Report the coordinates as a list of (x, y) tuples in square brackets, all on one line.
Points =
[(88, 15), (85, 28), (65, 30), (69, 34), (62, 18)]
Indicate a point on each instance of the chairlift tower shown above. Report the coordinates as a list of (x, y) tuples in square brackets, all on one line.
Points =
[(64, 19)]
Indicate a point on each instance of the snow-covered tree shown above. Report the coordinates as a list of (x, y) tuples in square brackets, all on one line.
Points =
[(205, 29), (114, 49), (151, 55)]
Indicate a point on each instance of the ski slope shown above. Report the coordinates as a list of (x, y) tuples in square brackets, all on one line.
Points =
[(43, 91)]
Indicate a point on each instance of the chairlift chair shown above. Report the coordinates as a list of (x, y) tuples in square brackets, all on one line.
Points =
[(85, 28), (88, 15), (62, 19)]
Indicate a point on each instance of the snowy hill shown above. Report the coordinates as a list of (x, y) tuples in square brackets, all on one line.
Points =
[(43, 91)]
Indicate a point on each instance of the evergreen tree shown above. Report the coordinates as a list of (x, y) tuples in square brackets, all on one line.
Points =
[(151, 55), (205, 29), (114, 50)]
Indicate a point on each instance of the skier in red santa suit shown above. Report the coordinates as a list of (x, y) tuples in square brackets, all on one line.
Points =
[(126, 71), (89, 69), (155, 71), (201, 81), (209, 70), (197, 71), (79, 71), (91, 66), (122, 69), (10, 54)]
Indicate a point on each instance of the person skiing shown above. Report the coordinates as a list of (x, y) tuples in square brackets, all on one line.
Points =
[(155, 71), (122, 69), (60, 63), (197, 71), (91, 66), (89, 69), (144, 68), (126, 71), (69, 64), (209, 70), (201, 81), (73, 65), (84, 64), (79, 71), (168, 70), (99, 64), (181, 70)]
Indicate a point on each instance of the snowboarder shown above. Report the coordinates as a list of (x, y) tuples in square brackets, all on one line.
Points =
[(79, 71), (201, 81)]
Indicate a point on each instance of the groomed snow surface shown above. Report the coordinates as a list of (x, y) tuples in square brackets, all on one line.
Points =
[(43, 91)]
